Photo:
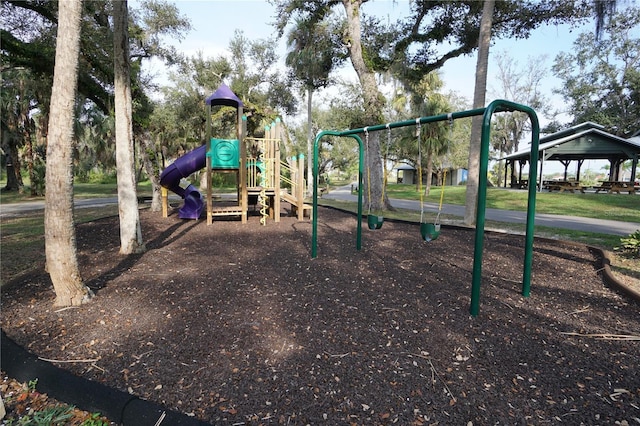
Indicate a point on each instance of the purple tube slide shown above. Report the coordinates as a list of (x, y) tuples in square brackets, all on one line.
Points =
[(182, 168)]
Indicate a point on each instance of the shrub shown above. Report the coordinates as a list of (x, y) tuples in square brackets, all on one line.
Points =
[(631, 244)]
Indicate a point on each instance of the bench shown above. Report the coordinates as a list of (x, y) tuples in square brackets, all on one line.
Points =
[(562, 186), (617, 187)]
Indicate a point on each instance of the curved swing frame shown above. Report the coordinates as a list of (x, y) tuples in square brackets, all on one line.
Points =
[(498, 105)]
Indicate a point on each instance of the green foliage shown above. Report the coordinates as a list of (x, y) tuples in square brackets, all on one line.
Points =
[(28, 37), (631, 244), (315, 49), (100, 177), (38, 178), (178, 124), (601, 76), (95, 420), (55, 415), (341, 113), (437, 140), (155, 20), (413, 46), (588, 178), (223, 180), (608, 206), (50, 416)]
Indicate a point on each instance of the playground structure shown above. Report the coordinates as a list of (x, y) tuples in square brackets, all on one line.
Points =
[(261, 175), (486, 113)]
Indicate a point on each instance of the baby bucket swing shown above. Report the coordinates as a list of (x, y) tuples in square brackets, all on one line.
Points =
[(428, 231), (374, 220)]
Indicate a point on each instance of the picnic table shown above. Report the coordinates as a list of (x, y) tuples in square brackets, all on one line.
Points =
[(520, 184), (563, 185), (610, 187)]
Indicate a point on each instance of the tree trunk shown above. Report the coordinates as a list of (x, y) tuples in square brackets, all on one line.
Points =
[(427, 186), (152, 171), (14, 178), (310, 141), (373, 107), (33, 179), (479, 94), (59, 234), (26, 124), (130, 231)]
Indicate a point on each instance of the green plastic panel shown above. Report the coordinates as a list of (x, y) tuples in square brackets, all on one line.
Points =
[(224, 153)]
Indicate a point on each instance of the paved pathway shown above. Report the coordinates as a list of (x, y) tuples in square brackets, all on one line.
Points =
[(15, 209), (575, 223)]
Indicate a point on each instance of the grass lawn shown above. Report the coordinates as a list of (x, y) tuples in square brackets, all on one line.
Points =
[(24, 235), (624, 265), (621, 207), (80, 190), (605, 241)]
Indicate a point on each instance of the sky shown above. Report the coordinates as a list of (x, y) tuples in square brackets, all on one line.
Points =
[(214, 22)]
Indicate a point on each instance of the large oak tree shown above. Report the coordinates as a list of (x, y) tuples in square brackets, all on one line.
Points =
[(416, 45)]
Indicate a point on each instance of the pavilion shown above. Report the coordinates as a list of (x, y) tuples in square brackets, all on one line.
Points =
[(586, 141)]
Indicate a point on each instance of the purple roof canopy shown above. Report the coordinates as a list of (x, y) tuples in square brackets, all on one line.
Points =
[(224, 96)]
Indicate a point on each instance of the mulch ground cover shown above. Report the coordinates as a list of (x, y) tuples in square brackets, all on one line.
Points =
[(237, 324)]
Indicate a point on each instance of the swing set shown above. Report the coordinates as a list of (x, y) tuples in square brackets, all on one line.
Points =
[(428, 231)]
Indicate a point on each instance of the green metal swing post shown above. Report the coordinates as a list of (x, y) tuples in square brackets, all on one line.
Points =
[(314, 235), (503, 106)]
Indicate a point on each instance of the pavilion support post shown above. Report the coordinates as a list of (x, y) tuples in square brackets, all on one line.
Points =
[(613, 172), (565, 163), (506, 171), (580, 162), (619, 163), (541, 167)]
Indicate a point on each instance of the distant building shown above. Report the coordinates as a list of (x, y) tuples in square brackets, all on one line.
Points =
[(408, 175)]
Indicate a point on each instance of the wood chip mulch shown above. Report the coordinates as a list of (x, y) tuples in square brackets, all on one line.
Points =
[(237, 324)]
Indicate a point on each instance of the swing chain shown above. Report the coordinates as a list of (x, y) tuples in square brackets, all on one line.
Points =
[(366, 148), (444, 173), (385, 173), (388, 126)]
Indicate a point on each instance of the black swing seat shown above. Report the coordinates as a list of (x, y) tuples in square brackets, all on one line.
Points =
[(429, 231), (374, 222)]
